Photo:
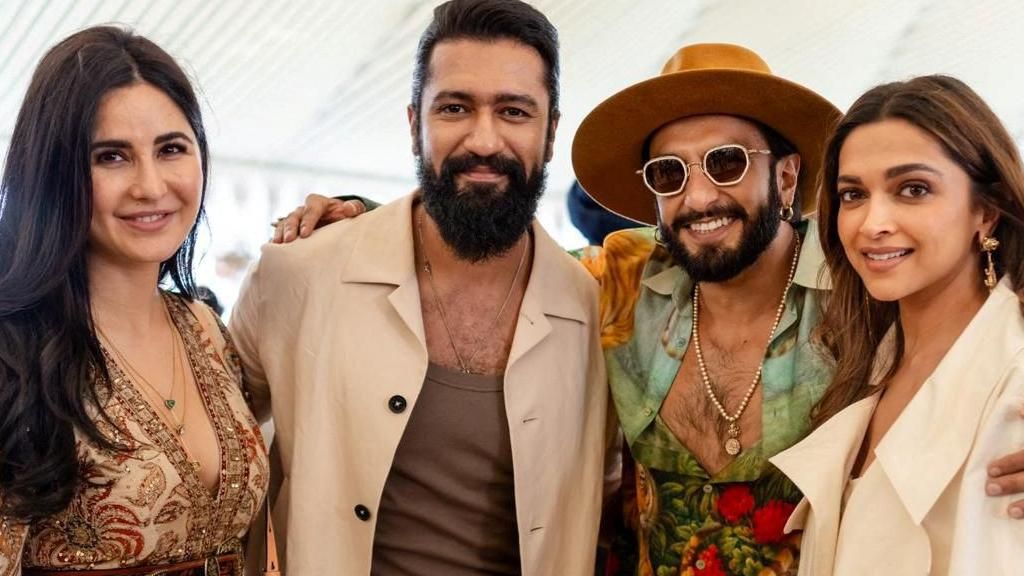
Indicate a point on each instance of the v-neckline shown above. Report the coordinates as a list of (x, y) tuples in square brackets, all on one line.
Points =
[(668, 366), (155, 426), (729, 473)]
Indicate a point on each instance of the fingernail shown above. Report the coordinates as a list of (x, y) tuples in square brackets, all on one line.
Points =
[(302, 230), (993, 489), (1017, 512), (993, 471)]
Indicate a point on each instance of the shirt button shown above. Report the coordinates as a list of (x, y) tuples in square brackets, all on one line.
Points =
[(362, 512), (708, 488), (700, 565), (397, 404), (648, 411)]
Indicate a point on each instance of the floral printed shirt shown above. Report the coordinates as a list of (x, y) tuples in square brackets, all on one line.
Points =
[(681, 519)]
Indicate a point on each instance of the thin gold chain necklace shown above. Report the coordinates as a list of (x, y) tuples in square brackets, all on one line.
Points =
[(732, 443), (465, 366), (168, 403)]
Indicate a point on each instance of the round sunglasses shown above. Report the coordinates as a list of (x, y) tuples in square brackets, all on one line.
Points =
[(724, 165)]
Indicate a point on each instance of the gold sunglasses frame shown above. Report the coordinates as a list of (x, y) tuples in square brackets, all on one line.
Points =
[(702, 165)]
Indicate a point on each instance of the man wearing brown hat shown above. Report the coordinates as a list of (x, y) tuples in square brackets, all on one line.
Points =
[(708, 316), (702, 495)]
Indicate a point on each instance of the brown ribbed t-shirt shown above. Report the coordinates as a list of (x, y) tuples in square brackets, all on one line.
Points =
[(448, 506)]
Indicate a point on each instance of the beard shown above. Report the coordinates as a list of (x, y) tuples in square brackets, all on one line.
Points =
[(481, 221), (717, 263)]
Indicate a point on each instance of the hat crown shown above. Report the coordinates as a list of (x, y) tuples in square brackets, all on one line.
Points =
[(714, 57)]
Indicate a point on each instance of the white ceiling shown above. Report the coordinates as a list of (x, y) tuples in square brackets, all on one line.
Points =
[(320, 86), (311, 94)]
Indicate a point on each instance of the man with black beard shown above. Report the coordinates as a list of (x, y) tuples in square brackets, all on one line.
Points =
[(482, 220), (708, 317), (708, 321), (434, 367)]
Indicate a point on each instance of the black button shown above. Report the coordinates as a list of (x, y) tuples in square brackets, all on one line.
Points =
[(397, 404), (362, 512)]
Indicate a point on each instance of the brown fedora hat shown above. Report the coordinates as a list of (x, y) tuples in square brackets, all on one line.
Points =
[(699, 79)]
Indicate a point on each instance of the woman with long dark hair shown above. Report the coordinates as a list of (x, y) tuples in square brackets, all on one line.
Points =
[(922, 224), (125, 442)]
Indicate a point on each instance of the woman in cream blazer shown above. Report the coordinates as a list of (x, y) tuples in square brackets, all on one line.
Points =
[(922, 211)]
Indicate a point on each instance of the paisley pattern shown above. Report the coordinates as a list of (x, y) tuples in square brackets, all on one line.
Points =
[(147, 505)]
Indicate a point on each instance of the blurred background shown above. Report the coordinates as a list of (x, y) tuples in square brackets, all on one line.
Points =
[(310, 95)]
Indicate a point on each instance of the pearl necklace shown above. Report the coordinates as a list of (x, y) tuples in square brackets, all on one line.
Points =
[(732, 443)]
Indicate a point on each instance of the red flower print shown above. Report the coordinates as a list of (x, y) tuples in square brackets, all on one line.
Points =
[(735, 502), (770, 519), (708, 563)]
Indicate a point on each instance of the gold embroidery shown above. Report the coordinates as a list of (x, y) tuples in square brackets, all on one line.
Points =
[(152, 487), (148, 505)]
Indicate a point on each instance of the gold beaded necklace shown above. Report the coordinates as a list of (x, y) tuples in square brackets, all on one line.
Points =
[(732, 443)]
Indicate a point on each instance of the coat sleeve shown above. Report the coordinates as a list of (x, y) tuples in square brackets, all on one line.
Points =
[(244, 327), (987, 539)]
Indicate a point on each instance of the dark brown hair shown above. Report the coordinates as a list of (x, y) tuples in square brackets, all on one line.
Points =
[(974, 138), (52, 372), (488, 20)]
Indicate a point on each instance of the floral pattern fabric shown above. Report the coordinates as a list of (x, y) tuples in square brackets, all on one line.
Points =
[(678, 519), (147, 505)]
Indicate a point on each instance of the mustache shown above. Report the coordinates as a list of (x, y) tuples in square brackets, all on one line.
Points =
[(501, 164), (732, 211)]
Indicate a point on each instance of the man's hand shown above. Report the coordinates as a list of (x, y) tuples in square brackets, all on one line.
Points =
[(316, 212), (1006, 476)]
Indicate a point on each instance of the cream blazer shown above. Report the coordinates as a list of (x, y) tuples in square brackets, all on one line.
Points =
[(330, 329), (920, 507)]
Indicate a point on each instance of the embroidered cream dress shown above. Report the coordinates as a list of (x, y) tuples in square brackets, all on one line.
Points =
[(148, 506)]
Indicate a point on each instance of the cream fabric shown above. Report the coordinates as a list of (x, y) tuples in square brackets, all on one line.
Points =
[(330, 329), (920, 508)]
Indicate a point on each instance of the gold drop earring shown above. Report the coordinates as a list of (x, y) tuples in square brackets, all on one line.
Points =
[(989, 245)]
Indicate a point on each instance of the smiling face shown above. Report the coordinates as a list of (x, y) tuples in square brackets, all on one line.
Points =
[(147, 178), (715, 232), (484, 99), (906, 218), (483, 135)]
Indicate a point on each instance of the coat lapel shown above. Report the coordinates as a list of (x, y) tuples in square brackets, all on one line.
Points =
[(551, 291), (923, 450), (384, 254), (820, 466), (932, 438)]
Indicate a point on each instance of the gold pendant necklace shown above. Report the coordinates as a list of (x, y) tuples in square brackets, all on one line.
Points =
[(465, 366), (732, 444), (168, 402)]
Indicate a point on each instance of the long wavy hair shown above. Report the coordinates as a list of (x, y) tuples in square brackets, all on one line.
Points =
[(52, 373), (973, 137)]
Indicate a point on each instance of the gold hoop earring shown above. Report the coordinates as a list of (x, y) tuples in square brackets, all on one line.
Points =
[(786, 212), (989, 245)]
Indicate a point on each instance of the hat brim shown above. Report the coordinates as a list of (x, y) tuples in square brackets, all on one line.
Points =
[(608, 147)]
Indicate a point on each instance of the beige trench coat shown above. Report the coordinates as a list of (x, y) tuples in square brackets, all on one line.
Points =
[(330, 329), (920, 508)]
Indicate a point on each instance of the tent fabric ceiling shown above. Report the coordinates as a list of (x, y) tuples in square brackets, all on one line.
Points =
[(321, 85), (311, 95)]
